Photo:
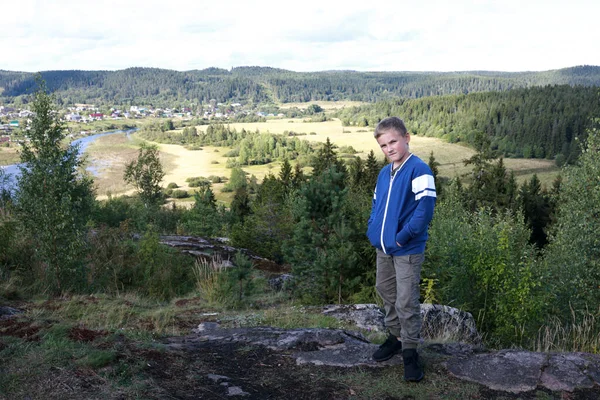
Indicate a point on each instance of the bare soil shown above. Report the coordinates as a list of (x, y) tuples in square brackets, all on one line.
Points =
[(220, 371)]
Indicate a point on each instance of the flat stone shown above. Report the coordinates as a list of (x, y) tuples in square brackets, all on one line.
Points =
[(509, 371), (236, 391), (345, 356), (217, 378), (565, 372)]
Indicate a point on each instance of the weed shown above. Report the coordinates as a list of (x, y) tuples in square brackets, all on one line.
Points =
[(580, 334)]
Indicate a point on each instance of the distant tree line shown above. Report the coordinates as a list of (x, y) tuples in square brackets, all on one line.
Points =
[(256, 85), (538, 122)]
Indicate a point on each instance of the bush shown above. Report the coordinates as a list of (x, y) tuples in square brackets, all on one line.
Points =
[(179, 194), (197, 181), (172, 185), (485, 265), (161, 272)]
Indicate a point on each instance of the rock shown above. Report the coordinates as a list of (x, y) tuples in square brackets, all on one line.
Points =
[(345, 355), (440, 323), (448, 324), (364, 316), (279, 282), (236, 391), (566, 372), (206, 326), (217, 378), (209, 249), (508, 371), (274, 338)]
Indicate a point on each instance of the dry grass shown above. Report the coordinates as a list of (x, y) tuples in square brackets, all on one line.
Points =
[(579, 335), (108, 156), (325, 105), (111, 153), (9, 155)]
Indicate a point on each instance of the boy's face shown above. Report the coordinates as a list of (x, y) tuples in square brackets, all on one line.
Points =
[(394, 146)]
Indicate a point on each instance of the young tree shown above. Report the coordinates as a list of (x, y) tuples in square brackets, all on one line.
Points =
[(573, 252), (54, 198), (146, 173)]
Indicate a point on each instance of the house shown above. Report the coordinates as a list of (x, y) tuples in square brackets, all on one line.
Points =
[(73, 117), (14, 123), (97, 116)]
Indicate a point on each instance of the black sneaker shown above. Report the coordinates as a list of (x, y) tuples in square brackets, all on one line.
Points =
[(412, 370), (388, 349)]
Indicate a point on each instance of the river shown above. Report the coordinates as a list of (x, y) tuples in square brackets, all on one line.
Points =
[(13, 171)]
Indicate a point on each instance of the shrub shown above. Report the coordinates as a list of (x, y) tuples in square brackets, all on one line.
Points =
[(197, 181), (485, 265), (172, 185), (179, 194)]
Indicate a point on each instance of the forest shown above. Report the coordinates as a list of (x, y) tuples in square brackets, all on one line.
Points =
[(537, 122), (255, 85)]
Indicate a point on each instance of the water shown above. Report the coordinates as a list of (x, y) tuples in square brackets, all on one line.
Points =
[(13, 171)]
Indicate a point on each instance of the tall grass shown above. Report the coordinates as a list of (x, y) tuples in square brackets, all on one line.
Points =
[(209, 280), (580, 334)]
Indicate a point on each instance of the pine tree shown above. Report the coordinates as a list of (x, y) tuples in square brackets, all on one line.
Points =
[(433, 165), (285, 175)]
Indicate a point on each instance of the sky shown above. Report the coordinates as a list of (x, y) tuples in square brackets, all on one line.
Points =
[(303, 36)]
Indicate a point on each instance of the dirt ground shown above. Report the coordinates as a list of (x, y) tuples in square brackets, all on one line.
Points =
[(150, 370)]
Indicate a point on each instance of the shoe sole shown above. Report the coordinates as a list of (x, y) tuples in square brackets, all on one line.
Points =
[(386, 358), (415, 380)]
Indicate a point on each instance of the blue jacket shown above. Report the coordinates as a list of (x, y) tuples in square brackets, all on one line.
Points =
[(402, 208)]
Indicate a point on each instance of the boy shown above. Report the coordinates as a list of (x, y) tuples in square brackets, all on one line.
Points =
[(402, 208)]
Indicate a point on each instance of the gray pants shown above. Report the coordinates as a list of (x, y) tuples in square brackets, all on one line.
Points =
[(397, 283)]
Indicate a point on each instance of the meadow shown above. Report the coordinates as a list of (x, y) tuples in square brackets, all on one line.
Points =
[(110, 154)]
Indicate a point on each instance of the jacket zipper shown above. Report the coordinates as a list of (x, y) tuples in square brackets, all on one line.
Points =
[(387, 201)]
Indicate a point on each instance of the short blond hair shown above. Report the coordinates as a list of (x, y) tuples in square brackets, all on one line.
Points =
[(388, 123)]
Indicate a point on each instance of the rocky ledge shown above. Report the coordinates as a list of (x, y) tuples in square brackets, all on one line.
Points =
[(507, 370), (450, 341)]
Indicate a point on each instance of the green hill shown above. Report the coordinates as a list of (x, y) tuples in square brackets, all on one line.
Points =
[(163, 87)]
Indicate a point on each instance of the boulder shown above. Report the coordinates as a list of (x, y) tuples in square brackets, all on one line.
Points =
[(508, 371), (440, 323), (365, 316), (448, 324), (208, 249)]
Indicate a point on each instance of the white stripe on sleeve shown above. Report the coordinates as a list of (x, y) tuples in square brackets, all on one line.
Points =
[(423, 185)]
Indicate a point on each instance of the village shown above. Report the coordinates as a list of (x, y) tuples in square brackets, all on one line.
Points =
[(14, 119)]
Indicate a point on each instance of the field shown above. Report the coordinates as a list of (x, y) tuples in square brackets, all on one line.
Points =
[(110, 154), (325, 105), (9, 155)]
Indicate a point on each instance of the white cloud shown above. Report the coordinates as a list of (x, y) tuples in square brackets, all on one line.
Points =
[(311, 35)]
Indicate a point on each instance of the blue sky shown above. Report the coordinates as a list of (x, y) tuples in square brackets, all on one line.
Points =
[(459, 35)]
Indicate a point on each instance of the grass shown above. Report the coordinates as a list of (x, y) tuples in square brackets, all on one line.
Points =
[(387, 383), (9, 155), (328, 106), (580, 334), (111, 153)]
